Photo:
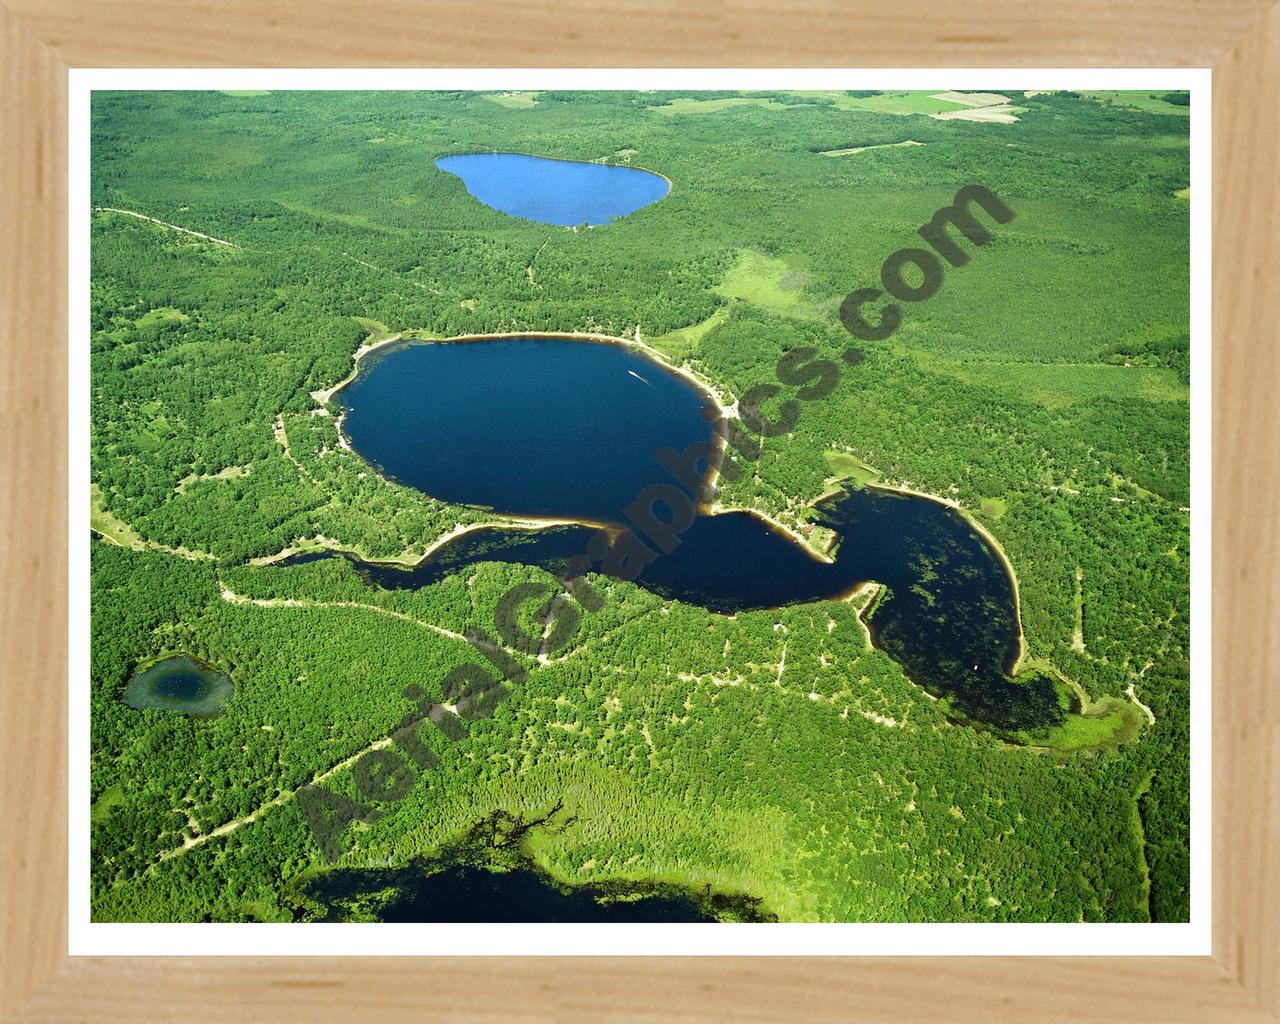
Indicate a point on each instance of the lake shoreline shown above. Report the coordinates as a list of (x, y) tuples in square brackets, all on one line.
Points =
[(478, 846), (408, 337), (527, 524), (325, 395), (716, 509)]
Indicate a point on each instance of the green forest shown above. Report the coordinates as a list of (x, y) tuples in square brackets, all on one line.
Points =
[(245, 247)]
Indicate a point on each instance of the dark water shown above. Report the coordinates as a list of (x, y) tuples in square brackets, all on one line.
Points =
[(180, 684), (540, 427), (564, 192), (467, 894), (560, 428), (487, 877)]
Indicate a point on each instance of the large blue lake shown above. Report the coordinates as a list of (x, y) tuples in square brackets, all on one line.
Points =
[(564, 192), (541, 427)]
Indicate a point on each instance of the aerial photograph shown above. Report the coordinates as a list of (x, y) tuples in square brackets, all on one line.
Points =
[(639, 506)]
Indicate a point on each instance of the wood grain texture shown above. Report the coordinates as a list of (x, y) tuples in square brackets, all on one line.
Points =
[(647, 991), (650, 33), (40, 38), (1246, 593), (33, 510)]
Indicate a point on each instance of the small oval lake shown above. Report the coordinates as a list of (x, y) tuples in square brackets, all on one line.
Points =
[(564, 192), (569, 428), (180, 684)]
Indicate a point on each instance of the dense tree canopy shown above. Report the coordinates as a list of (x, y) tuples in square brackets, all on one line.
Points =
[(774, 753)]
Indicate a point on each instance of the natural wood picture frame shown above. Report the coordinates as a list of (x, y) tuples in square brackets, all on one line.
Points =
[(41, 39)]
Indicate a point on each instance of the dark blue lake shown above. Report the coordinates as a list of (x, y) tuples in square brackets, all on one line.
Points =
[(568, 429), (564, 192), (540, 427)]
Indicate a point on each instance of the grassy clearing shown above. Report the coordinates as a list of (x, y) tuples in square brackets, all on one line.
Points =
[(848, 469), (1055, 385), (863, 149), (103, 522), (993, 508), (378, 331), (1140, 834), (973, 99), (229, 473), (679, 345), (1184, 193), (513, 100), (904, 102), (160, 315), (122, 534), (1090, 725), (983, 115), (1136, 100), (1107, 723), (685, 105), (103, 806), (245, 92), (762, 281), (1077, 634)]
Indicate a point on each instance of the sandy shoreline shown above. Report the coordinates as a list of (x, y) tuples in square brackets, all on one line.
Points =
[(325, 395), (800, 539), (704, 386), (526, 523), (862, 588)]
